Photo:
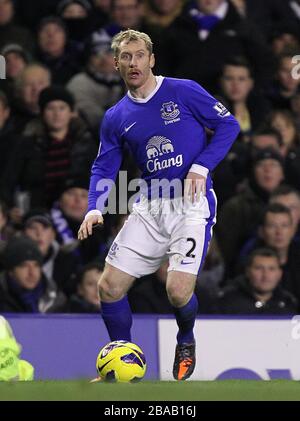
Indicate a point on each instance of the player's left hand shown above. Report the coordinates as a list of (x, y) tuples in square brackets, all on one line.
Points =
[(194, 185)]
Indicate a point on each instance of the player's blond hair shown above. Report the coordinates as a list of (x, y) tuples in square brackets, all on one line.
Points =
[(130, 35)]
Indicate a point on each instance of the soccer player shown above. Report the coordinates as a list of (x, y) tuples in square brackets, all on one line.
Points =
[(163, 122)]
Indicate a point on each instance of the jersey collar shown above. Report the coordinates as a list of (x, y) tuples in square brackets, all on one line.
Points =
[(159, 81)]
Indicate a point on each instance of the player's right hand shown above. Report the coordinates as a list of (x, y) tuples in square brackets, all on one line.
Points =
[(86, 228)]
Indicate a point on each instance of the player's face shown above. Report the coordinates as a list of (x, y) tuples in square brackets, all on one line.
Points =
[(89, 287), (278, 230), (57, 115), (27, 274), (264, 274), (134, 63), (43, 236)]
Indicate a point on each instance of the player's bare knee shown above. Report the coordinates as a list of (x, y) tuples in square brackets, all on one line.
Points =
[(110, 292), (180, 287), (112, 285), (178, 294)]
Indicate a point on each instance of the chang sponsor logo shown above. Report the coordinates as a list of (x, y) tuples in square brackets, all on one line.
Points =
[(156, 165), (158, 146)]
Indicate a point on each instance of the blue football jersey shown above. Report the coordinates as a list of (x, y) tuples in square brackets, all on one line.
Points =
[(165, 133)]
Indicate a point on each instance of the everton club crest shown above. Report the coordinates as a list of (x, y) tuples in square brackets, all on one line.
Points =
[(169, 111)]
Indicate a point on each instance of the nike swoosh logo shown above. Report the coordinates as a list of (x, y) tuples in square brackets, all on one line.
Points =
[(104, 365), (187, 263), (129, 127)]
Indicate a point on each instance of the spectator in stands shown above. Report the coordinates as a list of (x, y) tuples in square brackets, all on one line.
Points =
[(32, 80), (277, 231), (30, 12), (7, 133), (67, 215), (102, 5), (78, 18), (284, 123), (266, 138), (100, 13), (149, 295), (285, 85), (232, 172), (74, 8), (295, 106), (267, 15), (160, 14), (16, 59), (54, 50), (59, 146), (6, 231), (59, 265), (11, 32), (285, 38), (289, 197), (246, 208), (86, 299), (206, 35), (123, 14), (213, 270), (98, 87), (258, 291), (23, 287), (294, 7), (237, 83)]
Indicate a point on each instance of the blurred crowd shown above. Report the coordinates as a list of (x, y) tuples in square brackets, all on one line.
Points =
[(60, 80)]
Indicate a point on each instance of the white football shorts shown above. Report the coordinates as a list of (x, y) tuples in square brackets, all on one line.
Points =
[(163, 229)]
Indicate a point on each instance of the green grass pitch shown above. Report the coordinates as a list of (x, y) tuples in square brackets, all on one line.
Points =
[(231, 390)]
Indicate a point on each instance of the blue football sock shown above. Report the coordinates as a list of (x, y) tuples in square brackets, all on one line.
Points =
[(118, 319), (185, 317)]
